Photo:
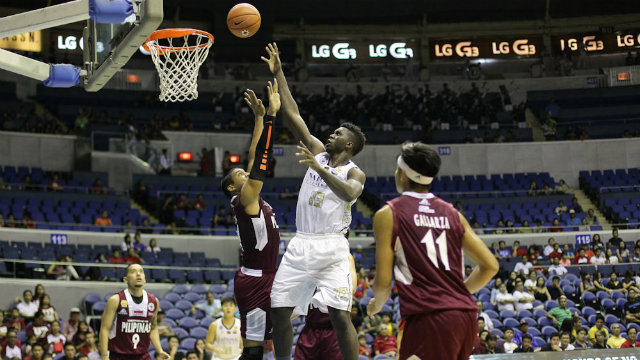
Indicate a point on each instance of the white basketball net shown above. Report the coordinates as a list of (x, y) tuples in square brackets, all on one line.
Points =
[(178, 65)]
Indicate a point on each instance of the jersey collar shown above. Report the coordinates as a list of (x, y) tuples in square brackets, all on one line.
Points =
[(419, 195)]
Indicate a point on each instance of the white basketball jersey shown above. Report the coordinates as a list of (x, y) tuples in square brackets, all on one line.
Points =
[(319, 210), (229, 339)]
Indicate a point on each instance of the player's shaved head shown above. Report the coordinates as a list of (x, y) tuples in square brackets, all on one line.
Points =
[(132, 267)]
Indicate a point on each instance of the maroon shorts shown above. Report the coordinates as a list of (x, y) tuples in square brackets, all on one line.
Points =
[(444, 335), (253, 295), (317, 344), (114, 356)]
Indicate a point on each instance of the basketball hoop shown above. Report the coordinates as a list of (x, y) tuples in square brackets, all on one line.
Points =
[(178, 54)]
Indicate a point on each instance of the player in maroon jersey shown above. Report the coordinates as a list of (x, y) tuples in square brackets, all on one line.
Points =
[(129, 322), (257, 228), (420, 238)]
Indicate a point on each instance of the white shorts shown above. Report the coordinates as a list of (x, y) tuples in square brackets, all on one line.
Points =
[(313, 261)]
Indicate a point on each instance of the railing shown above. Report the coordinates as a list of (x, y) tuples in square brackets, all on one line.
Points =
[(622, 187), (48, 188)]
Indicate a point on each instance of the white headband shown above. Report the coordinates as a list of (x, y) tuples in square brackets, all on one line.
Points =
[(412, 174)]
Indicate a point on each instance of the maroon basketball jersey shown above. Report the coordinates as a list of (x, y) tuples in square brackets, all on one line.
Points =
[(427, 242), (130, 332), (316, 319), (259, 236)]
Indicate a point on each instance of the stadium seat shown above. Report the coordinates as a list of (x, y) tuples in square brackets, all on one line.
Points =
[(550, 304), (544, 321), (198, 332), (180, 333), (180, 289), (507, 314), (199, 289), (192, 296), (174, 314), (205, 322), (524, 313), (187, 323), (90, 299), (492, 314), (589, 300), (98, 308), (497, 332), (184, 305), (165, 305), (548, 330), (188, 343), (172, 297), (510, 323)]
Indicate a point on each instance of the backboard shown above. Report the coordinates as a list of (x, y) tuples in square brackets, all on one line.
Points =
[(108, 47)]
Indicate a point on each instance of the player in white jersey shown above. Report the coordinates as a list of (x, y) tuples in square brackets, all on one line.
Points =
[(224, 339), (317, 257)]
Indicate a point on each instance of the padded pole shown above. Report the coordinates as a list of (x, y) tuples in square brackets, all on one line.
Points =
[(23, 65)]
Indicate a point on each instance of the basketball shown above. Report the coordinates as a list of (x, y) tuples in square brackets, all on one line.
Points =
[(243, 20)]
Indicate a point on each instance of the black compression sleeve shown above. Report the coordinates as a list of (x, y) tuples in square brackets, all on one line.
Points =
[(264, 150)]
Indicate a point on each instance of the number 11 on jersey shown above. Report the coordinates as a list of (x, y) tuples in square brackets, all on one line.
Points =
[(442, 248)]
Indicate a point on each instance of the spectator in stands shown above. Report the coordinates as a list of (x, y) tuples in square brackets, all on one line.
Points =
[(54, 184), (599, 258), (600, 339), (97, 188), (88, 347), (494, 250), (12, 347), (386, 321), (211, 308), (530, 283), (575, 206), (523, 299), (145, 227), (591, 217), (518, 251), (539, 228), (182, 203), (488, 324), (199, 204), (165, 163), (137, 245), (81, 335), (174, 344), (126, 243), (584, 225), (548, 249), (385, 343), (116, 258), (133, 257), (511, 281), (565, 341), (363, 348), (226, 163), (587, 283), (533, 189), (50, 313), (522, 268), (561, 208), (38, 293), (525, 228), (561, 187), (38, 327), (573, 220), (615, 341), (595, 243), (27, 307), (508, 345), (628, 282), (566, 251), (556, 253), (636, 254), (524, 331), (192, 355), (622, 253), (526, 344), (3, 328), (481, 342), (62, 271), (499, 228), (504, 299), (560, 313), (153, 246), (490, 347), (598, 327), (614, 283), (495, 290), (55, 340), (556, 268), (15, 320), (510, 227), (164, 327), (37, 352), (372, 324), (581, 258), (555, 290), (554, 343), (611, 257), (581, 339), (615, 240), (201, 350), (70, 327), (69, 352), (222, 218), (555, 226), (631, 342), (104, 220)]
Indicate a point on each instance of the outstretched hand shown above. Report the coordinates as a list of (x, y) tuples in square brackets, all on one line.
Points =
[(307, 157), (274, 58), (163, 356), (254, 103), (274, 97), (372, 307)]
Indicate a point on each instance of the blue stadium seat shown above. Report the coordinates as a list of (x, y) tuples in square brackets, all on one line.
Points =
[(180, 333), (187, 323), (174, 314), (187, 343), (205, 322), (198, 332), (172, 297), (98, 308), (192, 296), (183, 305), (199, 289)]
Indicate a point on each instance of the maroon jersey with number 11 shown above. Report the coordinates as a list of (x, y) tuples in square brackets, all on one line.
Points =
[(427, 243)]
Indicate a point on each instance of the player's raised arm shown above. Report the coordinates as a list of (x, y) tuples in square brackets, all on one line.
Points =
[(486, 264), (383, 232), (261, 148), (105, 326), (291, 114)]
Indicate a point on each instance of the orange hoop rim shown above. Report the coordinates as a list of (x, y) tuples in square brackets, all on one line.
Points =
[(176, 33)]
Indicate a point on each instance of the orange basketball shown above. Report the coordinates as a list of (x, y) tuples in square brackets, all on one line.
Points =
[(243, 20)]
